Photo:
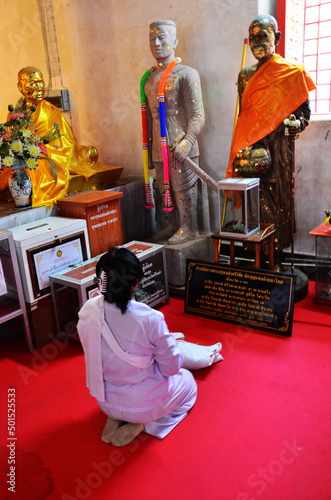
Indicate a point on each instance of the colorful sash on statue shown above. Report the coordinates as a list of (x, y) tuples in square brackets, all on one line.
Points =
[(148, 196), (168, 206)]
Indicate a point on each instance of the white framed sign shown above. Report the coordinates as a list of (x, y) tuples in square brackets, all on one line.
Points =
[(55, 259)]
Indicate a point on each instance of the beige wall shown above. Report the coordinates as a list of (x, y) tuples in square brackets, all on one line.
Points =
[(104, 51)]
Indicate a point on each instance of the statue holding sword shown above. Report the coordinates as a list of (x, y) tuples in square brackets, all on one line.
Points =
[(174, 119)]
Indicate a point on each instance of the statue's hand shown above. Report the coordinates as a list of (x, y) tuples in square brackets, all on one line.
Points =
[(292, 126), (90, 153), (182, 150), (181, 146)]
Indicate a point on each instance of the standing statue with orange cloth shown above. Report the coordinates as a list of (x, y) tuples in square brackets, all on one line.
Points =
[(67, 155), (270, 91)]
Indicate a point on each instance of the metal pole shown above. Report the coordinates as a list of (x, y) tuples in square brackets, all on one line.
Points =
[(292, 139)]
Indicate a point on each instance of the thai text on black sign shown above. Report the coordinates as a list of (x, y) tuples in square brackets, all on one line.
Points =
[(256, 298)]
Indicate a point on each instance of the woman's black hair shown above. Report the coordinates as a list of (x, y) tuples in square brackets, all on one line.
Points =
[(123, 270)]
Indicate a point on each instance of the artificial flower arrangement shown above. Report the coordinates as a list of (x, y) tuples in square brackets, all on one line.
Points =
[(20, 146)]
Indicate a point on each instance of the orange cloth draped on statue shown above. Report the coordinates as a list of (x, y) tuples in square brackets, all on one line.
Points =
[(65, 152), (275, 91)]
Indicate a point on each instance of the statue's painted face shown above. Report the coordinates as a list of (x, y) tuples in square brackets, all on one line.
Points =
[(162, 42), (33, 87), (262, 41)]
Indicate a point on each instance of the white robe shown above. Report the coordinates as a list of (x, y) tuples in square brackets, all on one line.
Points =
[(159, 394)]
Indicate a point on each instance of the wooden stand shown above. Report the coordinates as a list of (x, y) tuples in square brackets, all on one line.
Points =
[(266, 232), (41, 320), (101, 210)]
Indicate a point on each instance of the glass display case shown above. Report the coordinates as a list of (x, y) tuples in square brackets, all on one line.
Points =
[(239, 207), (12, 302)]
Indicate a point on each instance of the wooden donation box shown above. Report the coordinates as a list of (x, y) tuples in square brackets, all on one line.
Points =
[(153, 287), (43, 247), (101, 210), (72, 287)]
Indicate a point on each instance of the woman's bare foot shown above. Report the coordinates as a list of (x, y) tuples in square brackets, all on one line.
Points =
[(126, 433), (111, 426)]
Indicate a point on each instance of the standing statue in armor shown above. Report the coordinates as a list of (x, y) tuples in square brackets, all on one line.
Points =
[(184, 120)]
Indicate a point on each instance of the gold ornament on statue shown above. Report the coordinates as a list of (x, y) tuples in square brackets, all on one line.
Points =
[(91, 153), (253, 161)]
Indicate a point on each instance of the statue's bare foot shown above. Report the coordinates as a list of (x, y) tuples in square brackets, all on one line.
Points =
[(163, 234), (181, 236)]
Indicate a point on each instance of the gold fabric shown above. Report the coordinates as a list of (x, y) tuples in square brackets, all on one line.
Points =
[(65, 152)]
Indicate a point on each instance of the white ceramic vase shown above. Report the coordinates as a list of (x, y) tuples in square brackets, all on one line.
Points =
[(21, 194)]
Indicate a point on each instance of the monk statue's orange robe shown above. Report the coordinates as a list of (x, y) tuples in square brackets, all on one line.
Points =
[(274, 91)]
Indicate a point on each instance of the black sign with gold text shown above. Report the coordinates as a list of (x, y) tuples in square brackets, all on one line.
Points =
[(252, 297)]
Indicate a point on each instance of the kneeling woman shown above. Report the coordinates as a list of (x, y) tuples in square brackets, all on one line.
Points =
[(133, 365)]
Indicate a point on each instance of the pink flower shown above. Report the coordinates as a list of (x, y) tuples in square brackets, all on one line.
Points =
[(18, 115), (6, 136), (42, 147)]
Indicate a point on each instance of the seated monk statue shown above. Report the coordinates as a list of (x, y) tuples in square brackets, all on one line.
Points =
[(68, 156)]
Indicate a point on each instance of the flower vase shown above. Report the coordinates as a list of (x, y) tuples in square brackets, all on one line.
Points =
[(21, 192)]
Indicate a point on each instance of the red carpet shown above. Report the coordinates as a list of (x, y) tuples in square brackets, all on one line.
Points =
[(260, 429)]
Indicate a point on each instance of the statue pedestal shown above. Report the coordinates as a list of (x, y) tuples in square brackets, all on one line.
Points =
[(202, 248), (105, 177)]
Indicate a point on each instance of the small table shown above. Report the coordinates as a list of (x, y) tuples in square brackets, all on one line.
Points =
[(72, 287), (266, 231), (323, 285)]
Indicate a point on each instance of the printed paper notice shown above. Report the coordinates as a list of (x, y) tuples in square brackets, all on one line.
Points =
[(54, 260)]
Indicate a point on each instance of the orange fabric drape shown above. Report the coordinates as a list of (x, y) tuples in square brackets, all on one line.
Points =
[(275, 91), (64, 151)]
